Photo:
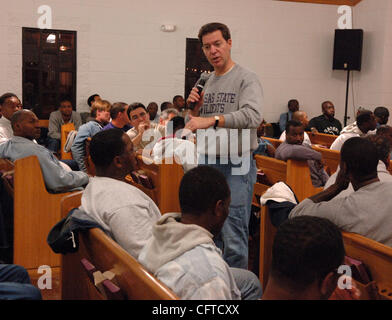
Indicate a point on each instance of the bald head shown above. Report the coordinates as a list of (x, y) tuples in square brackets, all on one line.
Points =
[(302, 117), (25, 124)]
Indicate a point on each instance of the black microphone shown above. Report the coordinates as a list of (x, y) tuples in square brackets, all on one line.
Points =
[(199, 86)]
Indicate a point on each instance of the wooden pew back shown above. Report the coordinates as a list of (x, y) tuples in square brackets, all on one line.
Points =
[(322, 139), (166, 178), (65, 130), (376, 256), (331, 157), (106, 255), (35, 212)]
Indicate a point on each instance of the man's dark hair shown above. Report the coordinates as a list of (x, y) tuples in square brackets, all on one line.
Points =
[(293, 102), (214, 26), (363, 117), (381, 112), (90, 99), (117, 107), (152, 104), (292, 123), (105, 145), (382, 144), (175, 123), (176, 97), (165, 105), (6, 96), (201, 188), (305, 250), (134, 106), (383, 130), (360, 156)]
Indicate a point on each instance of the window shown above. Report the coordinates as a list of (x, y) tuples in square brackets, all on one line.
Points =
[(49, 69), (195, 64)]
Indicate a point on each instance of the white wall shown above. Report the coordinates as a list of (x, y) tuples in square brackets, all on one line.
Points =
[(123, 55)]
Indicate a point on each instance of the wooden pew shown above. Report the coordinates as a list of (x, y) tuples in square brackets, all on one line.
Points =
[(322, 139), (376, 256), (330, 157), (295, 173), (106, 255), (65, 130), (275, 142), (36, 211), (165, 178), (43, 123)]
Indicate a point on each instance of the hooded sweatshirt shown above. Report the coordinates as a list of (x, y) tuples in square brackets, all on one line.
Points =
[(185, 258), (348, 132)]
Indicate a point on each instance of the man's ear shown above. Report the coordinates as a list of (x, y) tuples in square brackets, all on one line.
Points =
[(117, 161), (328, 285), (219, 208)]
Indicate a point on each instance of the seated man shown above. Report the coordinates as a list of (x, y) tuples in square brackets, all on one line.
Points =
[(101, 114), (173, 145), (382, 115), (57, 118), (124, 211), (364, 123), (293, 148), (152, 110), (293, 106), (15, 284), (367, 211), (305, 255), (120, 120), (384, 147), (139, 118), (302, 117), (26, 128), (181, 252), (326, 123), (9, 104)]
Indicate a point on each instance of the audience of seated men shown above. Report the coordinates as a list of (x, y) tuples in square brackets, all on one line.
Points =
[(100, 112), (26, 128), (326, 123), (166, 105), (306, 253), (293, 148), (265, 148), (382, 115), (367, 211), (181, 252), (119, 116), (384, 147), (174, 145), (152, 110), (140, 122), (302, 117), (293, 106), (364, 123), (63, 115), (123, 211), (9, 104), (15, 284), (179, 105)]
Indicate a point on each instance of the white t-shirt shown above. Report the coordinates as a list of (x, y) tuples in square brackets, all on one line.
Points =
[(123, 210)]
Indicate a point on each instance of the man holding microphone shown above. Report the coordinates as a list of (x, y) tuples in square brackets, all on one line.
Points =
[(231, 104)]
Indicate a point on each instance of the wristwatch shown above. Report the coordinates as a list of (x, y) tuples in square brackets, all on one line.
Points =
[(216, 121)]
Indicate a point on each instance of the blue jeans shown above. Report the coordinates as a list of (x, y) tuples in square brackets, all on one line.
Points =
[(233, 240), (15, 284), (248, 283)]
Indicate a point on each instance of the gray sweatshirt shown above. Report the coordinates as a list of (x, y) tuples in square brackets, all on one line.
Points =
[(238, 96), (56, 121)]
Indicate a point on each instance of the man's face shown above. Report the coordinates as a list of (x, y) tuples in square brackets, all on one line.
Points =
[(138, 116), (66, 109), (179, 103), (128, 156), (217, 49), (29, 126), (372, 122), (295, 135), (103, 116), (329, 110), (293, 107), (10, 106), (152, 111)]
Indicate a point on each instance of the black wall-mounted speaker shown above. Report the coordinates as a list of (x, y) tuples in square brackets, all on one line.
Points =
[(347, 51)]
